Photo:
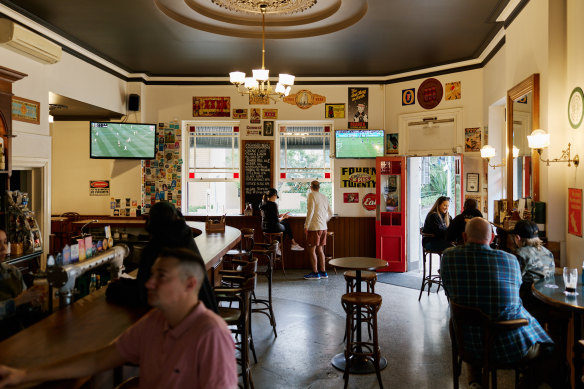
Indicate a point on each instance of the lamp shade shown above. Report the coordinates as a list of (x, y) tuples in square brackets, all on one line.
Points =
[(251, 83), (488, 151), (261, 74), (286, 79), (237, 77), (538, 139), (280, 88)]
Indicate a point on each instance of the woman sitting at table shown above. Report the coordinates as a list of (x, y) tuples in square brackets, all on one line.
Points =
[(436, 225), (273, 221), (13, 293)]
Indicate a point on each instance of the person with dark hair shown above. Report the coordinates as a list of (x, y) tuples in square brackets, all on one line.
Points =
[(436, 225), (273, 221), (178, 344), (456, 228), (13, 293), (168, 229)]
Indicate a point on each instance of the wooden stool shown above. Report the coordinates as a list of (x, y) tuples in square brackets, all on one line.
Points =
[(353, 304), (370, 278), (270, 237), (265, 254), (327, 257), (428, 279)]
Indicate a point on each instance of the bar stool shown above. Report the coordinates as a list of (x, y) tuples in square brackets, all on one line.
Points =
[(330, 236), (429, 279), (369, 303), (270, 237), (245, 246), (265, 254), (370, 278)]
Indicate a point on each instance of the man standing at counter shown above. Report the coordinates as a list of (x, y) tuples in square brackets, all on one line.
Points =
[(179, 344), (318, 213)]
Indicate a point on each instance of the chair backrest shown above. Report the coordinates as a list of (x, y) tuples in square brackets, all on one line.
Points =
[(424, 234), (247, 239), (462, 317)]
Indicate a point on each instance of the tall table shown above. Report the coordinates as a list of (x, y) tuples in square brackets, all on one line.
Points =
[(557, 299), (364, 365)]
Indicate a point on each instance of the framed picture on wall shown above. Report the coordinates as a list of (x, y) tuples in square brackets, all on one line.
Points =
[(25, 110), (472, 182)]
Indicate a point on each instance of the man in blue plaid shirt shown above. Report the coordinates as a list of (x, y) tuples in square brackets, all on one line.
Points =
[(476, 275)]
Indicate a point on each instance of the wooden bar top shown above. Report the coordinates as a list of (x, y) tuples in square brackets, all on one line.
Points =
[(92, 322)]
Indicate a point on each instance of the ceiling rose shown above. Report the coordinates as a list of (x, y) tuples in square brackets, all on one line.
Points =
[(270, 6)]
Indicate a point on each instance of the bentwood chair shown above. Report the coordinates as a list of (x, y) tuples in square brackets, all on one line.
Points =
[(266, 253), (462, 317), (270, 237)]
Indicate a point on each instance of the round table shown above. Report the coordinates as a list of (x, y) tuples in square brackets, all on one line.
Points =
[(556, 298), (364, 365)]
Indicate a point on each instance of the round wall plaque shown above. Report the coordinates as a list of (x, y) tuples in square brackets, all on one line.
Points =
[(576, 107), (430, 93)]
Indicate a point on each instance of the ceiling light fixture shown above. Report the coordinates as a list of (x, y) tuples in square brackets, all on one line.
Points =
[(259, 84), (270, 6)]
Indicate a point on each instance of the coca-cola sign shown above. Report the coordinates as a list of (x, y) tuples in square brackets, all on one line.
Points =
[(369, 201)]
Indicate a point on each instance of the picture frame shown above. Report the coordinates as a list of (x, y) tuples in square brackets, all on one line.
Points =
[(472, 182), (334, 111), (268, 128), (25, 110)]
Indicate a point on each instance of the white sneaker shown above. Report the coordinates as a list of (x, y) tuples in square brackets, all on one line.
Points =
[(296, 247), (278, 252)]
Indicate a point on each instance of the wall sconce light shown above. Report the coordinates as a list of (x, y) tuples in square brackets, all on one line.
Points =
[(539, 140), (488, 152)]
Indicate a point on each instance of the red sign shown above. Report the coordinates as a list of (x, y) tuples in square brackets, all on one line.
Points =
[(99, 184), (369, 201), (575, 211)]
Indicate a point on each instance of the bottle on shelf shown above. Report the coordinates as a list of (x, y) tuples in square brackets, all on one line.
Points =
[(92, 284), (98, 282)]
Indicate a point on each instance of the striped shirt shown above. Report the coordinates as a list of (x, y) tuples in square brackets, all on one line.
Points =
[(476, 275)]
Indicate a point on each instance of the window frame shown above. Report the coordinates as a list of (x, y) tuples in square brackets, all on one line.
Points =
[(235, 168)]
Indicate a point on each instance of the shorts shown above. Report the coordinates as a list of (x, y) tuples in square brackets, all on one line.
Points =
[(316, 238)]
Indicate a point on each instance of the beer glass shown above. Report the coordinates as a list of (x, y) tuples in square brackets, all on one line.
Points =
[(570, 281)]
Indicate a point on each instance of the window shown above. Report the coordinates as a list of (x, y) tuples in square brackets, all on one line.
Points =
[(212, 166), (304, 156)]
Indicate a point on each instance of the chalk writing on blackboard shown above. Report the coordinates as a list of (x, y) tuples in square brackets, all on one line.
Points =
[(257, 166)]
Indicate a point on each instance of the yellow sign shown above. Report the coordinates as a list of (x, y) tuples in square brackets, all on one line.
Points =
[(304, 99)]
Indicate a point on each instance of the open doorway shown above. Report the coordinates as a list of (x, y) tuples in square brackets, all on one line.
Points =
[(429, 178)]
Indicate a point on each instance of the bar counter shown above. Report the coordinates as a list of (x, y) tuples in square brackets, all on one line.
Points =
[(92, 322)]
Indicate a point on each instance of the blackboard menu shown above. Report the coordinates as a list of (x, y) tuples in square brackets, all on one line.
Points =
[(257, 170)]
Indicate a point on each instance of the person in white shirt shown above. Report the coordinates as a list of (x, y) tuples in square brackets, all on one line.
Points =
[(318, 213)]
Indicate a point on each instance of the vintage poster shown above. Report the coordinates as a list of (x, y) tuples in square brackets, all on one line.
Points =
[(452, 90), (472, 139), (358, 107), (334, 111), (350, 198), (269, 113), (211, 106), (575, 211), (255, 116), (239, 113), (26, 110), (254, 130), (358, 177), (268, 128), (99, 188), (391, 143), (409, 96)]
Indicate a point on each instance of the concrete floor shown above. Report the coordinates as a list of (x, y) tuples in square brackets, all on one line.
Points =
[(310, 323)]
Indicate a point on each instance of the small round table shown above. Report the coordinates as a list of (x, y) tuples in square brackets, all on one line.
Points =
[(365, 365)]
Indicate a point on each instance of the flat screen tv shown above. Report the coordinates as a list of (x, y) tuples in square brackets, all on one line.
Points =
[(122, 140), (359, 143)]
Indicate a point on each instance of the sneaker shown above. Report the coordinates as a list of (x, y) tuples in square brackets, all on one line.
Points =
[(278, 252), (296, 247), (323, 274), (312, 276)]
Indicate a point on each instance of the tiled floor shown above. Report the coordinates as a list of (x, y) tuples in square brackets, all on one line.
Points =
[(310, 322)]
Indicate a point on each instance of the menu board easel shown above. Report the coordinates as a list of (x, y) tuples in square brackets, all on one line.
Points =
[(257, 172)]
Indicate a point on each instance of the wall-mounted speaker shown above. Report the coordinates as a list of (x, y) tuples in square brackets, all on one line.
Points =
[(133, 102)]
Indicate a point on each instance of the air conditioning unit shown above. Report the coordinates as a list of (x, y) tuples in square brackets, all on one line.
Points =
[(15, 37)]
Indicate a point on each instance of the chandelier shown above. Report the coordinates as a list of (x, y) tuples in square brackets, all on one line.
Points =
[(259, 84)]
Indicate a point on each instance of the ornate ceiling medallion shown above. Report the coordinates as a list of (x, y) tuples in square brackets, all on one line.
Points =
[(281, 7)]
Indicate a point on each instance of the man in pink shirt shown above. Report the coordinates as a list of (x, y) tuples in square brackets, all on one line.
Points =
[(179, 344)]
